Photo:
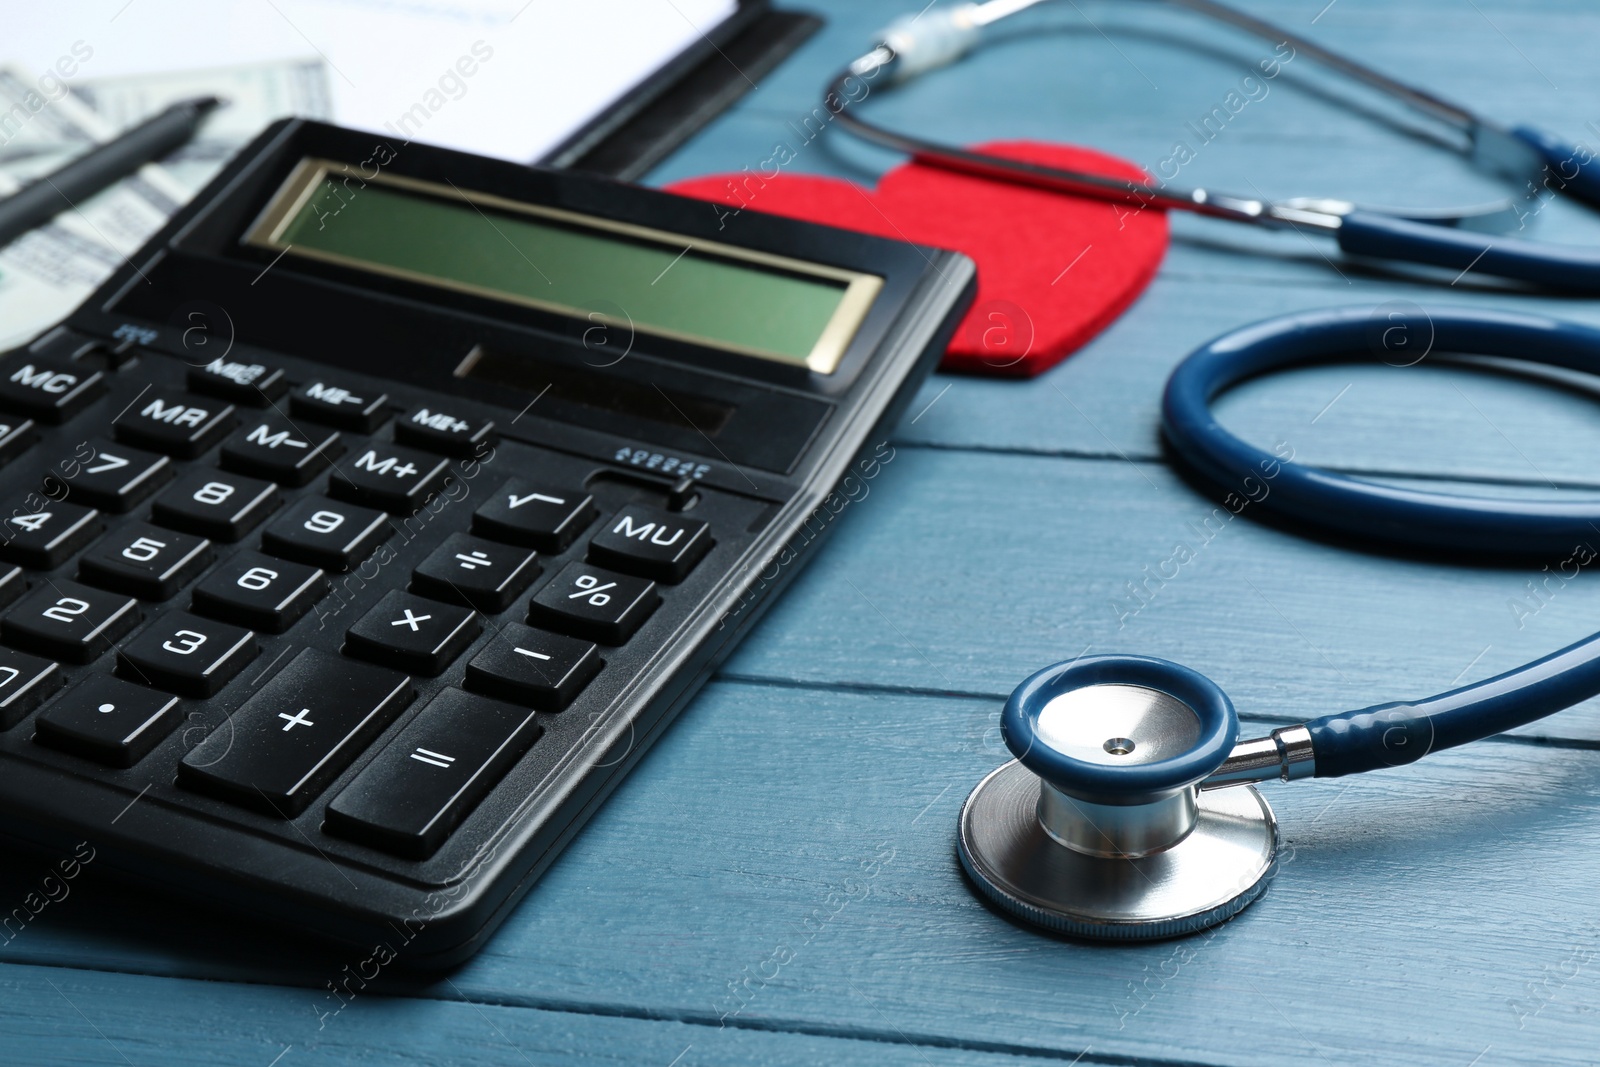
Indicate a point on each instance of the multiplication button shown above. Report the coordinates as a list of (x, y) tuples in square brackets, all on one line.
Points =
[(595, 603)]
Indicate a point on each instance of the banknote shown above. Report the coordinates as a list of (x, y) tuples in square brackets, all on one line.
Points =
[(49, 271)]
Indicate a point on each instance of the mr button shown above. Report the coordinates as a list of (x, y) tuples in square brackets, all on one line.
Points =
[(656, 544)]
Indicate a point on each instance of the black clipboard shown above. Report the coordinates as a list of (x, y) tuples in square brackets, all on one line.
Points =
[(642, 128)]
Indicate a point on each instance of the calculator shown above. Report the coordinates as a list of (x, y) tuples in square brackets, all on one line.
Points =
[(368, 525)]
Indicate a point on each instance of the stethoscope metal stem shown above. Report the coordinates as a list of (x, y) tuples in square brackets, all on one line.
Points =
[(1284, 754)]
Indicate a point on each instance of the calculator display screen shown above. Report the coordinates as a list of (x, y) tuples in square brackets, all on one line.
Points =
[(629, 276)]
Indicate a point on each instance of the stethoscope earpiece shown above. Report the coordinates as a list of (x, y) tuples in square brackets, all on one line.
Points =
[(1099, 828)]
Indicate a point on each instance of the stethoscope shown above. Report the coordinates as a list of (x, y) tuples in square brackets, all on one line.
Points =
[(1451, 239), (1130, 811)]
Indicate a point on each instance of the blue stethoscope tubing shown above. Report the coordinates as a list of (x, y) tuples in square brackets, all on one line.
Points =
[(1387, 735)]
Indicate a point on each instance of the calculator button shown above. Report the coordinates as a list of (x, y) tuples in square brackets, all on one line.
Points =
[(68, 621), (144, 561), (285, 744), (413, 634), (524, 513), (12, 584), (657, 544), (187, 655), (260, 592), (481, 574), (220, 506), (595, 603), (239, 380), (50, 389), (327, 533), (390, 477), (424, 782), (532, 667), (444, 431), (175, 423), (336, 405), (16, 437), (108, 720), (275, 448), (42, 533), (112, 477), (25, 683)]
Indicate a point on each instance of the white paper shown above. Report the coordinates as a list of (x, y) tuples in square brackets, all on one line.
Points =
[(506, 78)]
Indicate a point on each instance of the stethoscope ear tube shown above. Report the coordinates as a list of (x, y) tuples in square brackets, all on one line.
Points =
[(1383, 236), (1393, 734)]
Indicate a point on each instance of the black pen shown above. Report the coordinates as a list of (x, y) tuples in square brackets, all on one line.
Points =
[(43, 198)]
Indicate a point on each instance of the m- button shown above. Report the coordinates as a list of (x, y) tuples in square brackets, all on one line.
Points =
[(656, 544)]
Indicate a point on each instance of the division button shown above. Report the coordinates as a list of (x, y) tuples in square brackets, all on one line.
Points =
[(239, 380), (595, 603), (337, 405), (327, 533), (174, 423), (481, 574), (406, 631), (657, 544), (532, 667), (53, 390), (526, 513), (110, 476), (68, 621), (391, 477), (443, 431), (297, 734), (260, 592), (144, 561), (419, 788), (275, 448), (41, 533), (221, 506), (25, 683), (108, 720)]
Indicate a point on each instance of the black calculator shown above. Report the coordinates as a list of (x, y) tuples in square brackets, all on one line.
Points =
[(369, 524)]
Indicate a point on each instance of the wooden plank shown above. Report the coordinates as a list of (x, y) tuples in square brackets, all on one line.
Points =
[(89, 1019)]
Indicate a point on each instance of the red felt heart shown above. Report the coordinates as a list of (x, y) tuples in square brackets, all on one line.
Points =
[(1053, 270)]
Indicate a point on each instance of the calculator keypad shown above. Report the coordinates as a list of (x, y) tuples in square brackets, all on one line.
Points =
[(290, 581)]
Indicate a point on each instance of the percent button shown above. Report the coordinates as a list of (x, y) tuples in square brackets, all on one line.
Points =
[(592, 602)]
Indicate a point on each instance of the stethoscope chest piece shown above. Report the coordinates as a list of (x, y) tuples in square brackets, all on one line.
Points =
[(1099, 827)]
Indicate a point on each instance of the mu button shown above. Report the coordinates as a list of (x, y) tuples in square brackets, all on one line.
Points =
[(657, 544)]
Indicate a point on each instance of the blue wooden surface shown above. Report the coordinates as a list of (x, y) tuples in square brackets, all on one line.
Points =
[(776, 882)]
